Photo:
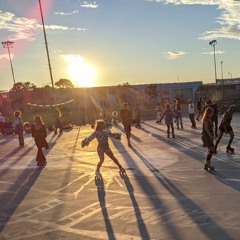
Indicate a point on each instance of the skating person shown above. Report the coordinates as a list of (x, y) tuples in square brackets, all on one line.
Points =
[(214, 119), (103, 147), (18, 126), (2, 121), (114, 118), (137, 115), (39, 133), (169, 115), (58, 122), (199, 108), (191, 111), (158, 109), (225, 127), (126, 116), (207, 136), (177, 110)]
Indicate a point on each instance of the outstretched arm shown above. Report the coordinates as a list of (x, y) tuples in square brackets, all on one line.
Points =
[(87, 140)]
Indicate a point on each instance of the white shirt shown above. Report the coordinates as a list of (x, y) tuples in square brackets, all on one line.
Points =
[(191, 108)]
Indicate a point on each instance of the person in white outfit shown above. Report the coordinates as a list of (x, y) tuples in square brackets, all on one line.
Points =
[(191, 111)]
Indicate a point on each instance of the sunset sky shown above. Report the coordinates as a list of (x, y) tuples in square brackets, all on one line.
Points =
[(110, 42)]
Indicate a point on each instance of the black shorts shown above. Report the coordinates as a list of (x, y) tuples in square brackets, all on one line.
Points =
[(207, 141), (228, 129)]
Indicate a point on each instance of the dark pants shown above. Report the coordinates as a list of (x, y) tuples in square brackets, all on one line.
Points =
[(19, 131), (191, 116), (40, 157), (40, 143)]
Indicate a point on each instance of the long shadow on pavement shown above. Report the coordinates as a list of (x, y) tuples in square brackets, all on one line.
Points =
[(198, 152), (101, 197), (141, 225), (156, 201), (16, 193), (187, 204)]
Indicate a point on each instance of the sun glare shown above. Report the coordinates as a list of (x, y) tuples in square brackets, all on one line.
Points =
[(82, 74)]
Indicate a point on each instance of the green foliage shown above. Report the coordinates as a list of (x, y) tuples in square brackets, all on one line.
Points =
[(23, 86), (64, 83)]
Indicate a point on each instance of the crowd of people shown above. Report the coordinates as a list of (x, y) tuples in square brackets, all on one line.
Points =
[(207, 112)]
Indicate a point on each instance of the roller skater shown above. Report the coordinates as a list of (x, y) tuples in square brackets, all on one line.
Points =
[(177, 110), (39, 133), (103, 147), (199, 108), (137, 115), (58, 122), (158, 109), (168, 114), (225, 127), (18, 126), (207, 137), (191, 112), (126, 116)]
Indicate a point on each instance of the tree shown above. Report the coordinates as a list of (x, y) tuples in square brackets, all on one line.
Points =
[(64, 83), (47, 86), (23, 86)]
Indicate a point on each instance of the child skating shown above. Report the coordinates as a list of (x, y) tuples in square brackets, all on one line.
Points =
[(208, 136), (168, 114), (103, 147)]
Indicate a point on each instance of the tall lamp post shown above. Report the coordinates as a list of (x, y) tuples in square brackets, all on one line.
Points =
[(213, 43), (230, 74), (46, 45), (222, 69), (222, 79), (9, 44)]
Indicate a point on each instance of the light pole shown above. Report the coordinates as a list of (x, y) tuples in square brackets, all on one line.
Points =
[(222, 69), (9, 44), (46, 45), (214, 43), (222, 79), (230, 74)]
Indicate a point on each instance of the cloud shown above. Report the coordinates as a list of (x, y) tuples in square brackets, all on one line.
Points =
[(66, 14), (211, 53), (187, 2), (229, 19), (175, 54), (72, 58), (5, 56), (25, 28), (86, 4)]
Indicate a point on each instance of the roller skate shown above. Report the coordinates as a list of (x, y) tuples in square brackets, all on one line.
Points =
[(42, 165), (208, 166), (168, 135), (122, 172), (173, 135), (229, 150), (98, 175)]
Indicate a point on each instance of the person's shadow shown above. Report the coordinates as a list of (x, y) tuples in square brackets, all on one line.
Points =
[(101, 197)]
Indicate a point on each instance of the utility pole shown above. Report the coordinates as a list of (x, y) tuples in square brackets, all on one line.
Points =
[(9, 44)]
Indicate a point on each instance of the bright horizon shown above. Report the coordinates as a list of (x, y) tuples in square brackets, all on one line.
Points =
[(107, 43)]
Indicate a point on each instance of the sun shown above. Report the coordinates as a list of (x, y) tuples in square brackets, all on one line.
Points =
[(82, 74)]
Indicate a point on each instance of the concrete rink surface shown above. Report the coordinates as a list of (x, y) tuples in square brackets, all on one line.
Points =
[(165, 193)]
